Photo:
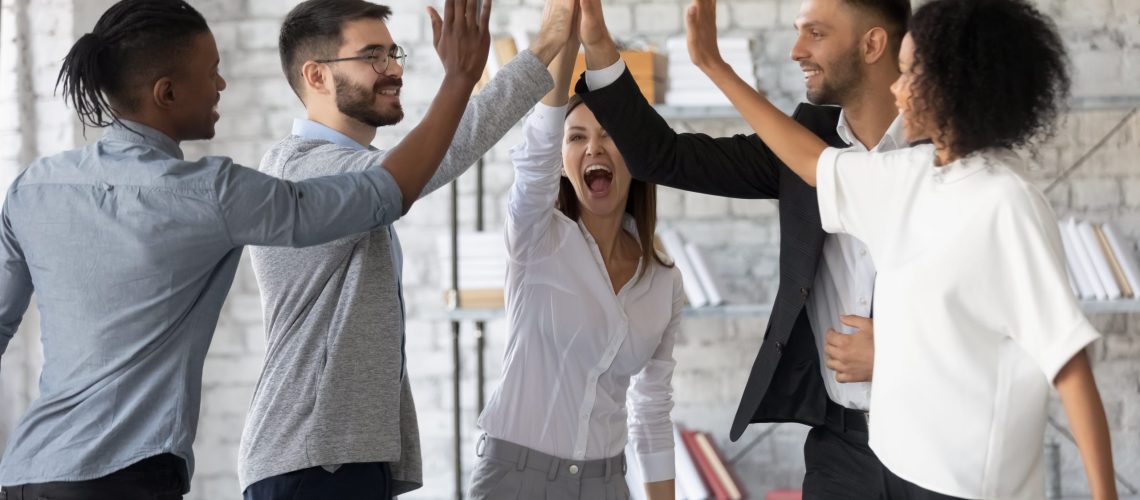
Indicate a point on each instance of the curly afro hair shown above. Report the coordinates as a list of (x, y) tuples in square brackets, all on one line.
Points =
[(992, 73)]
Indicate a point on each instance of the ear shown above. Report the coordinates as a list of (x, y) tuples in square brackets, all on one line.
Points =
[(317, 78), (875, 45), (163, 93)]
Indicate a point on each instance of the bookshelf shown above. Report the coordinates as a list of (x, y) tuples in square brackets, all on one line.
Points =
[(728, 311)]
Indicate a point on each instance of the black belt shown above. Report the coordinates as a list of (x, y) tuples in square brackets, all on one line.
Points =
[(842, 419)]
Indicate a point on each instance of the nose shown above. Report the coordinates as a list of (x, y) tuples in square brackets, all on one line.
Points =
[(799, 53), (221, 83), (395, 69), (595, 148)]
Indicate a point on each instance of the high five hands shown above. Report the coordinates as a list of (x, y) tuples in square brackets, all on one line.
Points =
[(461, 38)]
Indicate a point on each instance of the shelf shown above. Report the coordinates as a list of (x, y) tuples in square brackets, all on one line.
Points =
[(1120, 306)]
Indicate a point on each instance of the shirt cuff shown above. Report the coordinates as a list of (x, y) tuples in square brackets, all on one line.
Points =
[(1056, 358), (659, 466), (599, 78), (826, 190), (548, 119)]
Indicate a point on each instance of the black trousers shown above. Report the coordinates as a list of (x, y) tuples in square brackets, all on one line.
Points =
[(359, 481), (161, 477), (841, 466)]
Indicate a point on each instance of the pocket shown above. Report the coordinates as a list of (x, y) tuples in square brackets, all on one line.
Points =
[(494, 480)]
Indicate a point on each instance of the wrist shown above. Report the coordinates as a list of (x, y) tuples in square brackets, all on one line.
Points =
[(545, 48), (601, 54)]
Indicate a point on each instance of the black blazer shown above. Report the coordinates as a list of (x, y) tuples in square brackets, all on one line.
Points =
[(785, 384)]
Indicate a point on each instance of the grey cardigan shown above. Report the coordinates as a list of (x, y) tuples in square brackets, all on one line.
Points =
[(333, 389)]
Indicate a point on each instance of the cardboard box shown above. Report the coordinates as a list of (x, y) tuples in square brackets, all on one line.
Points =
[(649, 70)]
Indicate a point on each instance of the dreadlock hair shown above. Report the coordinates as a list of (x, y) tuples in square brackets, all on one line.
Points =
[(134, 42)]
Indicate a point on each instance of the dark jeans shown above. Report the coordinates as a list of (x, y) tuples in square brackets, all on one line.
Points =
[(160, 477), (361, 481)]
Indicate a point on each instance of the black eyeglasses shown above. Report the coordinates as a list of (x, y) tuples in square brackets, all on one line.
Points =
[(378, 59)]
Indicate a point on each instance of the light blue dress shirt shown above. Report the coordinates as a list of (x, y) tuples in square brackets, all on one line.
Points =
[(131, 250)]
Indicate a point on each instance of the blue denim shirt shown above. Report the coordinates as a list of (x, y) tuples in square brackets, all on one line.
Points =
[(131, 250)]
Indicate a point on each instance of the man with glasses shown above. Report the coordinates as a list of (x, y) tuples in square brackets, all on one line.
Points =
[(333, 416)]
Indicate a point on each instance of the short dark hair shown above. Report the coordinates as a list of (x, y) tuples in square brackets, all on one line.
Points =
[(894, 14), (134, 42), (991, 73), (312, 30)]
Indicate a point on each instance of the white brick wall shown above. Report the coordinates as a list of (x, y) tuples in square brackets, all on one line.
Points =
[(741, 237)]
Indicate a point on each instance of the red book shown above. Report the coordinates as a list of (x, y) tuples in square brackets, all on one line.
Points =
[(720, 466), (708, 472)]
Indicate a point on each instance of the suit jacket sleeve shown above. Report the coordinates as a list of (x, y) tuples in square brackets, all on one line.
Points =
[(739, 166)]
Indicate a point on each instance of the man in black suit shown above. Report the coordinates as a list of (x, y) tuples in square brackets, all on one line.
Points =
[(814, 365)]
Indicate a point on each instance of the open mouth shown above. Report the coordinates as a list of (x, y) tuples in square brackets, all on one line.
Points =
[(598, 179), (810, 73), (389, 92)]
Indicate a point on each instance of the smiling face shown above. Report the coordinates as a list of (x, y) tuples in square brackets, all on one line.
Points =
[(198, 86), (361, 93), (592, 163), (827, 49), (915, 119)]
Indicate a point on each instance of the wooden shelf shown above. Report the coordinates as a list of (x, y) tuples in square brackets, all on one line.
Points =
[(1120, 306)]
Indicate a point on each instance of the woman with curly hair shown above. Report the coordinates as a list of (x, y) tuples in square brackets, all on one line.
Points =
[(974, 315)]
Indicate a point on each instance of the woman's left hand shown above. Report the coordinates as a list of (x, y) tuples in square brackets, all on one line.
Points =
[(700, 21)]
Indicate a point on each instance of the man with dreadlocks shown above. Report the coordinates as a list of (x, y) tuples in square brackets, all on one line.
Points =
[(132, 248)]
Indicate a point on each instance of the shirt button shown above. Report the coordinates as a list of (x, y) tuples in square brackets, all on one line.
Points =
[(574, 469), (863, 301), (862, 251), (108, 187)]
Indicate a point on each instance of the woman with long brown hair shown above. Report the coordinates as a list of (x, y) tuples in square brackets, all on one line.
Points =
[(593, 312)]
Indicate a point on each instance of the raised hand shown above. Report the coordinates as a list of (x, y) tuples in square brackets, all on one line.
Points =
[(700, 22), (601, 51), (462, 38), (558, 22)]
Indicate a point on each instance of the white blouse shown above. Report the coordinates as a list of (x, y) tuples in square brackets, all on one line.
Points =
[(974, 316), (576, 349)]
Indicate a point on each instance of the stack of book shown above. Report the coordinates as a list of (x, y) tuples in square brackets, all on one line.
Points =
[(482, 269), (688, 86), (702, 472), (700, 287), (1100, 266)]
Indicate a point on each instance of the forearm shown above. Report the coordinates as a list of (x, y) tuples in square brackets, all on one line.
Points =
[(1085, 411), (661, 490), (797, 147), (498, 107), (414, 161), (561, 70)]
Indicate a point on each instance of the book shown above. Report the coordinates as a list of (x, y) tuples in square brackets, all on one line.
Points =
[(1080, 282), (482, 269), (708, 284), (1124, 256), (1100, 263), (1083, 261), (1113, 262), (708, 475), (728, 483), (689, 484), (675, 248)]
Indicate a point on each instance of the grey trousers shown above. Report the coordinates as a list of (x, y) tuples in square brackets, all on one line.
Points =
[(507, 471)]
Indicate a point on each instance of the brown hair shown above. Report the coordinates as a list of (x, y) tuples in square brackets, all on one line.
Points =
[(641, 204)]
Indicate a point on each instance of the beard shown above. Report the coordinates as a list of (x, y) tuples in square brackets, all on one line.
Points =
[(355, 101), (843, 78)]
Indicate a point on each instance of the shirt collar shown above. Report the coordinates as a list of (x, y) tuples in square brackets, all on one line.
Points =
[(137, 133), (892, 140), (973, 163), (310, 129)]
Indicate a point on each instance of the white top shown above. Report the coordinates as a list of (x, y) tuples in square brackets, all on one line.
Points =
[(845, 281), (974, 316), (576, 348)]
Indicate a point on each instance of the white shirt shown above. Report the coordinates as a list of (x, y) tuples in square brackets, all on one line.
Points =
[(845, 281), (974, 316), (575, 348)]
